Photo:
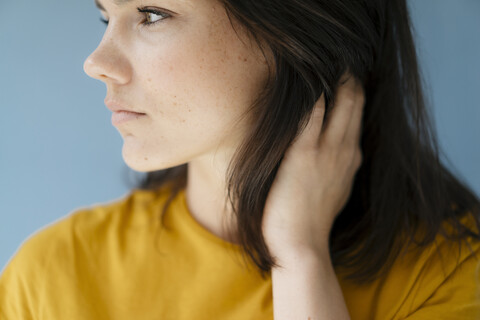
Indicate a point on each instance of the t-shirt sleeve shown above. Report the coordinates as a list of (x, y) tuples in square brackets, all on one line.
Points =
[(458, 296), (18, 285), (24, 277)]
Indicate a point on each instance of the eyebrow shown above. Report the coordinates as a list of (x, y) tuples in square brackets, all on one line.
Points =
[(117, 2)]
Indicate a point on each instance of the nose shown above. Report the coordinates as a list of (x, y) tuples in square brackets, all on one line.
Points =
[(108, 63)]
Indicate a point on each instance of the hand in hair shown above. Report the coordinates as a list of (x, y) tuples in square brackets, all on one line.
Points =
[(315, 178)]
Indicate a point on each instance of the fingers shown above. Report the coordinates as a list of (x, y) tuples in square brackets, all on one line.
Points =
[(309, 136), (344, 121), (354, 129)]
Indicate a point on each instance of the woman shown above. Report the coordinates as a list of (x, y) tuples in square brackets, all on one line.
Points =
[(290, 133)]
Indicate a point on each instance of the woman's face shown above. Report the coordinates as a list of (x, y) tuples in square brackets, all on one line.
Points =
[(188, 72)]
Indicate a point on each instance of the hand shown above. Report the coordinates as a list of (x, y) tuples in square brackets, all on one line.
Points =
[(315, 178)]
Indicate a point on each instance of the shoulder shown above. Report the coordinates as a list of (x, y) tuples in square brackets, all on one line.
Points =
[(438, 281), (54, 254), (90, 221), (445, 281), (442, 279), (60, 240)]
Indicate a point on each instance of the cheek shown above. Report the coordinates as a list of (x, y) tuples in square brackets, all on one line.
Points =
[(204, 70), (196, 84)]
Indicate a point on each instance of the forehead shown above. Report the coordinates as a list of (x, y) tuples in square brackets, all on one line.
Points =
[(119, 3), (116, 2)]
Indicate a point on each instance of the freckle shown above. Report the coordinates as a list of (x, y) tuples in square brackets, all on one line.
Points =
[(183, 120), (146, 158), (149, 79), (245, 59), (189, 110)]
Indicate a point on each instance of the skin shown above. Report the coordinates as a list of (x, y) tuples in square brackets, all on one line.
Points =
[(319, 168), (194, 77)]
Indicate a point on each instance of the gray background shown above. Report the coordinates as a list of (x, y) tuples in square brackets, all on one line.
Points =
[(59, 152)]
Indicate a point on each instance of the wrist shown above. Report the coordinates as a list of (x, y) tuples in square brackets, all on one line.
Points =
[(303, 256)]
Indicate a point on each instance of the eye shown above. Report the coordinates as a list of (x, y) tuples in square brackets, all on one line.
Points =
[(152, 16), (151, 13)]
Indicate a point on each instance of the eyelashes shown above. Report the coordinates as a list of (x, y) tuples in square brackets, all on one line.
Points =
[(148, 12), (156, 12)]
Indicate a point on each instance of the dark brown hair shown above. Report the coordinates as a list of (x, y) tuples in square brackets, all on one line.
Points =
[(401, 185)]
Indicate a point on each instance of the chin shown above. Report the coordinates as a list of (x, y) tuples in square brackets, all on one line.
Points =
[(141, 162)]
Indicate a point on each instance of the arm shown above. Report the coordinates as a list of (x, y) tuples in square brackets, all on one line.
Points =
[(311, 187), (307, 288)]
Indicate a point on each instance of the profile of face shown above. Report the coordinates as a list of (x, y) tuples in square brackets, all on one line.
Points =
[(185, 68)]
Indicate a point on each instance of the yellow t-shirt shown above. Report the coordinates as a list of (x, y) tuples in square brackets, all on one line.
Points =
[(102, 263)]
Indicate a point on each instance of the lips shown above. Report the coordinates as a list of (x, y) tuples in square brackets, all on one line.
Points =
[(119, 117), (122, 112), (117, 106)]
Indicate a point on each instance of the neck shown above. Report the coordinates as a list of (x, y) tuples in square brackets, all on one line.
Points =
[(206, 197)]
